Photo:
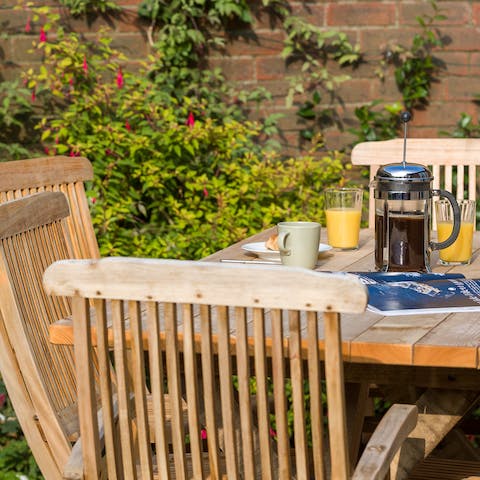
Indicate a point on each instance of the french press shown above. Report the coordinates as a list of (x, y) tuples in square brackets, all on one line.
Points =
[(403, 205)]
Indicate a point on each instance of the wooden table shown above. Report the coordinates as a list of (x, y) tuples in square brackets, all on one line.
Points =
[(440, 340), (431, 360)]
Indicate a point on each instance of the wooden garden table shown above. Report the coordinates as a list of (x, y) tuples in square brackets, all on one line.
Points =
[(431, 360)]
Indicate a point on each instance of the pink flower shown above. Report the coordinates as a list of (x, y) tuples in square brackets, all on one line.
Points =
[(203, 434), (190, 120), (43, 35), (273, 433), (85, 65), (34, 96), (94, 200), (28, 25), (205, 192), (127, 125), (119, 78), (3, 399)]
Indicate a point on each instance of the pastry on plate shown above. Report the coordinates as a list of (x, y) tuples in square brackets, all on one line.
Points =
[(272, 242)]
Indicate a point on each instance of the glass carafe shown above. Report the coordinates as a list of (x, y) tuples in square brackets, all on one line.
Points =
[(403, 205)]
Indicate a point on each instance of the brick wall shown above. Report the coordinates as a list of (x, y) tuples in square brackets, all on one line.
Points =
[(253, 58)]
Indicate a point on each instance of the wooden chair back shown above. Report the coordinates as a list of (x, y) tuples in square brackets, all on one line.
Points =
[(39, 377), (453, 162), (20, 179), (239, 344), (56, 174)]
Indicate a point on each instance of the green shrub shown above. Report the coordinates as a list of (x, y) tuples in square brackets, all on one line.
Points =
[(176, 177), (15, 455)]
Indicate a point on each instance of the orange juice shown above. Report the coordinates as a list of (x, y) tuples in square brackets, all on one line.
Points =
[(343, 227), (461, 250)]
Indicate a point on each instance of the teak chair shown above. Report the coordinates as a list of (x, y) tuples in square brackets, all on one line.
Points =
[(19, 179), (39, 377), (215, 369), (453, 162)]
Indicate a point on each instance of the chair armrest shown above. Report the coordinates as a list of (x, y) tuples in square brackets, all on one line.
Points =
[(386, 440)]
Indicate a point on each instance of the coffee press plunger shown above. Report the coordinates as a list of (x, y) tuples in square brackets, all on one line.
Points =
[(403, 204)]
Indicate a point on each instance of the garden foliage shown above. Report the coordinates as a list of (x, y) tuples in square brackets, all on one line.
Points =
[(179, 172)]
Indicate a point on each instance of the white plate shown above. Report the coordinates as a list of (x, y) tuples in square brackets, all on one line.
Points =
[(259, 249)]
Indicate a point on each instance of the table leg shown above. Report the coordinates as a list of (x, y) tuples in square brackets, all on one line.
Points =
[(356, 395)]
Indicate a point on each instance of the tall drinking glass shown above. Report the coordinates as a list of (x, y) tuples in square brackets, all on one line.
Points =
[(460, 252), (343, 211)]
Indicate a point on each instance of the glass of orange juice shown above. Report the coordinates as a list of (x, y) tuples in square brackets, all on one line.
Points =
[(343, 211), (460, 252)]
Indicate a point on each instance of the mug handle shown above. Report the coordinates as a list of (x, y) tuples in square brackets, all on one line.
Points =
[(282, 238), (456, 220)]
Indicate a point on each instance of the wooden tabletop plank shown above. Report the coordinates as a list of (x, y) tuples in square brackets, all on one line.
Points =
[(455, 340)]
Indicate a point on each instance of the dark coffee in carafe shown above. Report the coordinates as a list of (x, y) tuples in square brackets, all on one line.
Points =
[(405, 239)]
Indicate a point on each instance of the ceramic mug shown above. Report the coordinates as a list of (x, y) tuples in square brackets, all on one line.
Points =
[(298, 243)]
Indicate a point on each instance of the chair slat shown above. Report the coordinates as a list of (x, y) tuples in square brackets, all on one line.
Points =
[(315, 388), (192, 390), (124, 389), (280, 401), (262, 394), (226, 391), (294, 346), (86, 388), (157, 376), (336, 396), (209, 389), (244, 394), (174, 388), (139, 389)]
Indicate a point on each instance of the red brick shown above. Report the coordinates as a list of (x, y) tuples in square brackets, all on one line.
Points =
[(462, 38), (457, 63), (444, 114), (23, 51), (314, 14), (375, 42), (425, 132), (336, 139), (270, 44), (235, 69), (355, 90), (476, 13), (132, 45), (461, 88), (10, 72), (270, 68), (385, 89), (474, 64), (278, 88), (457, 13), (360, 13)]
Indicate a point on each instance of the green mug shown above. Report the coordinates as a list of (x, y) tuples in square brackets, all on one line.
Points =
[(298, 243)]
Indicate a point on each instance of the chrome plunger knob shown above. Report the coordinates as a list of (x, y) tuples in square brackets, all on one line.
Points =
[(405, 117)]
